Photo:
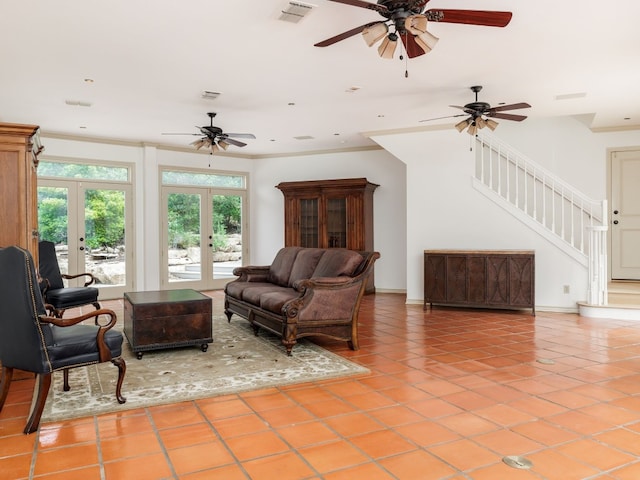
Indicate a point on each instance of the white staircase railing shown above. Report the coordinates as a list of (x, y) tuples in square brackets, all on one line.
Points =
[(548, 203)]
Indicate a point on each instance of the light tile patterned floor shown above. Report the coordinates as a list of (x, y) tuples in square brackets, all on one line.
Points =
[(450, 394)]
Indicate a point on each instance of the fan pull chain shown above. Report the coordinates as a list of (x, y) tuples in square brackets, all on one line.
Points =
[(406, 60)]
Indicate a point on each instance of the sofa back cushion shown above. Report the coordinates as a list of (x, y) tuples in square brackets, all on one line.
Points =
[(336, 262), (280, 268), (305, 264)]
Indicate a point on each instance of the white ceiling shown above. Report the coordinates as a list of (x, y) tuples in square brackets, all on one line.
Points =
[(151, 61)]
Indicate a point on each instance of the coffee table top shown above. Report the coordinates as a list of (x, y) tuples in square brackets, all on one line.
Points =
[(164, 296)]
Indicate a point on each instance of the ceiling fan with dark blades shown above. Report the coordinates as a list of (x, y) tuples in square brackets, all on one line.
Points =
[(407, 20), (480, 114), (213, 137)]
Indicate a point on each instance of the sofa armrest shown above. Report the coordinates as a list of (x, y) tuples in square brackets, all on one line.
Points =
[(330, 298), (252, 273), (321, 282)]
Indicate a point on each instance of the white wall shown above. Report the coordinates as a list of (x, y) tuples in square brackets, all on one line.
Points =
[(444, 211), (266, 205)]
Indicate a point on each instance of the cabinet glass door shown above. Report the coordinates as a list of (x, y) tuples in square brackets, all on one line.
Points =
[(337, 223), (309, 227)]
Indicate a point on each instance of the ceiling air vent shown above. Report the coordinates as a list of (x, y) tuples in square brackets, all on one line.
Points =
[(210, 95), (304, 137), (295, 11)]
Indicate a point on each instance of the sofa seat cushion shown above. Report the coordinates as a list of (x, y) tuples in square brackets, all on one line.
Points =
[(253, 294), (235, 289), (336, 262), (274, 300)]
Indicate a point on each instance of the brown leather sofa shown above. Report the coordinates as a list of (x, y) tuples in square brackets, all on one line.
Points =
[(304, 292)]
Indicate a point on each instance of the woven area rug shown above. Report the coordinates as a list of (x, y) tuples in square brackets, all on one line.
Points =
[(236, 361)]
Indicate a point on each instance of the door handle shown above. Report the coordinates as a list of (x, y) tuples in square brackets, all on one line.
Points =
[(615, 222), (615, 212), (81, 248)]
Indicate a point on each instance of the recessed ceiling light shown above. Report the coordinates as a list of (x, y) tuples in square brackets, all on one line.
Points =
[(336, 134), (381, 115), (83, 127), (291, 104), (627, 118), (88, 80)]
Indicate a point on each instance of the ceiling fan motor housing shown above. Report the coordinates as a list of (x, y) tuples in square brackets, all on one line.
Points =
[(476, 108)]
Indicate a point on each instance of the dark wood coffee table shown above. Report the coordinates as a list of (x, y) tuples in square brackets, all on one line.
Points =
[(167, 319)]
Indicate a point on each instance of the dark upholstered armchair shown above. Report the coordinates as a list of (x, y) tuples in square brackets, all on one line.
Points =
[(34, 342), (53, 289)]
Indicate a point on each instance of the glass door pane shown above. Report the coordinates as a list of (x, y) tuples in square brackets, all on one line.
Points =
[(103, 244), (337, 222), (309, 227), (53, 221), (227, 235), (184, 237)]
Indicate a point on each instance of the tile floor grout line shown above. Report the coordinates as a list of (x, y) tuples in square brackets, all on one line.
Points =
[(96, 424), (209, 422), (165, 452)]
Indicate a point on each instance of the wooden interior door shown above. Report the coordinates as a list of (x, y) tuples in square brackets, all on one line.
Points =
[(625, 215)]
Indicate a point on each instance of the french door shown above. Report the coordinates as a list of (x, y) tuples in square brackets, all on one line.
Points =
[(202, 236), (90, 223)]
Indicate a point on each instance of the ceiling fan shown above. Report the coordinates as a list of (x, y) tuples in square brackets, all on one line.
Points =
[(477, 111), (214, 138), (407, 20)]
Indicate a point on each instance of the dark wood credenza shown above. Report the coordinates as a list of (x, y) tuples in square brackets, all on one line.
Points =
[(480, 278)]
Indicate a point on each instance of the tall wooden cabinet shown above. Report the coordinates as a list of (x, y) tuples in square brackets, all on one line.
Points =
[(19, 150), (329, 214), (480, 278)]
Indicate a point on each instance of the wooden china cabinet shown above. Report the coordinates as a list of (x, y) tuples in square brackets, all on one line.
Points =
[(329, 214), (19, 150)]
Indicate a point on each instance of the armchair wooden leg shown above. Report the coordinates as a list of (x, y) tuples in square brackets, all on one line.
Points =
[(5, 382), (65, 377), (43, 382), (122, 368)]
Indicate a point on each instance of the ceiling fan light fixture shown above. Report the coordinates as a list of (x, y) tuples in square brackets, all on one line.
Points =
[(223, 145), (214, 148), (473, 129), (416, 24), (374, 33), (198, 144), (480, 122), (388, 46), (426, 41), (492, 124), (460, 126)]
